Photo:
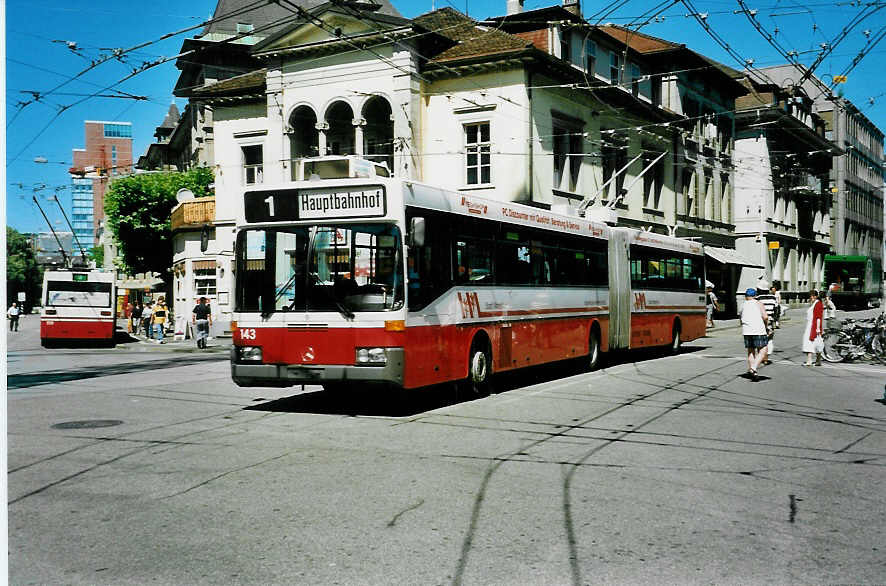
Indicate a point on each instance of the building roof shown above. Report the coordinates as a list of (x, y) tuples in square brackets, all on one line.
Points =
[(471, 40), (644, 44), (378, 21), (171, 118), (266, 15), (539, 15), (252, 83)]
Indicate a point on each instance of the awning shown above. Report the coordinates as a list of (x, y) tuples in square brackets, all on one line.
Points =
[(140, 284), (200, 265), (728, 256)]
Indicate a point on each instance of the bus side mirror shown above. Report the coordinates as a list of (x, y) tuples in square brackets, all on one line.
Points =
[(417, 232)]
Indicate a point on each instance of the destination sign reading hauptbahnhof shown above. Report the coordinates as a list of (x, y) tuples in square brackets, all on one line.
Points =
[(281, 205)]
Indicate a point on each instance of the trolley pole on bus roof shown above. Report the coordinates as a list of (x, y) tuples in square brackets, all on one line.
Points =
[(61, 247), (80, 246)]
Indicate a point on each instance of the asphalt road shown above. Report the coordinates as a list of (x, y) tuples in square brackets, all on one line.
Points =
[(654, 470)]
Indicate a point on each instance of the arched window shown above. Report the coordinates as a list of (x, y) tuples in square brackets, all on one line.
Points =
[(378, 135), (340, 136), (303, 141)]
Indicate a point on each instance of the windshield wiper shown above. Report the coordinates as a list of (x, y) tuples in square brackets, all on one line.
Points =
[(330, 294), (342, 308)]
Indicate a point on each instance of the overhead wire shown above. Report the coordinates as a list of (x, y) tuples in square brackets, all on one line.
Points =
[(119, 52), (381, 57), (145, 67)]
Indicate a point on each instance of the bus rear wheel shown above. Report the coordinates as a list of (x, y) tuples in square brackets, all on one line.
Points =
[(594, 353), (675, 339), (479, 382)]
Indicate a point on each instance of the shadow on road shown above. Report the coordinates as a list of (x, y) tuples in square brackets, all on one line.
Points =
[(121, 337), (369, 400), (19, 381)]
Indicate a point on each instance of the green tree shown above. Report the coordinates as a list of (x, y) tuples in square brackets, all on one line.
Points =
[(22, 271), (97, 253), (138, 209)]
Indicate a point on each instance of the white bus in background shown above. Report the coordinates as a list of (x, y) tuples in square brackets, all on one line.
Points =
[(78, 306)]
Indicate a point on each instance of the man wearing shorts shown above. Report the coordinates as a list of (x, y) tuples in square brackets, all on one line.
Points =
[(202, 318), (753, 328)]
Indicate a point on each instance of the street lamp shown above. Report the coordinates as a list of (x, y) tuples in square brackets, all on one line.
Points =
[(44, 161)]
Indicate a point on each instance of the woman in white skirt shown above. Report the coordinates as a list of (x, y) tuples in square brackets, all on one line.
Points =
[(812, 341)]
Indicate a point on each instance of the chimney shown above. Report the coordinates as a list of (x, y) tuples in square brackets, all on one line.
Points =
[(515, 7), (573, 6)]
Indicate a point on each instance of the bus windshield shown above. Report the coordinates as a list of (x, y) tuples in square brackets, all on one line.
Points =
[(77, 294), (346, 268)]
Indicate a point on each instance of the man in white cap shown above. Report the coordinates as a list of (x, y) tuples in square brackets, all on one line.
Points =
[(753, 328), (769, 301)]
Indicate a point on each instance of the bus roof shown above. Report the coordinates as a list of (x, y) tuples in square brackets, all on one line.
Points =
[(75, 275), (431, 197)]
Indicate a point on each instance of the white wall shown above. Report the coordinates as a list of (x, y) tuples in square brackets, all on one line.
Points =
[(230, 122), (354, 78), (753, 193), (452, 103), (186, 245)]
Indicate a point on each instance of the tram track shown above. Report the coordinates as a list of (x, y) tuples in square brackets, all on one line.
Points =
[(500, 460)]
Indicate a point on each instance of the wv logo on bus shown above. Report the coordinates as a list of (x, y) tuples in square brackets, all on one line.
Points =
[(639, 300), (470, 305)]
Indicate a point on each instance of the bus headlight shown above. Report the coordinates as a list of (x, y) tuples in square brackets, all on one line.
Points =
[(373, 356), (249, 353)]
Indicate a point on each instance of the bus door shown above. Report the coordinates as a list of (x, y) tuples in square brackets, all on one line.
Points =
[(619, 289)]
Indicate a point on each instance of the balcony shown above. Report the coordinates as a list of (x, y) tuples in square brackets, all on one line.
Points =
[(193, 214), (805, 184)]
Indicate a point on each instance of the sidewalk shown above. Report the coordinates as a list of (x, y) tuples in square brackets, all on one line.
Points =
[(797, 315), (735, 323), (130, 341)]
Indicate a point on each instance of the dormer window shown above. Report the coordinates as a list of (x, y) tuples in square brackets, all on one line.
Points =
[(565, 47), (590, 57), (244, 27), (614, 68)]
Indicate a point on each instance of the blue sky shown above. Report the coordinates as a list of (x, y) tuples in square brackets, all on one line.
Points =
[(38, 59)]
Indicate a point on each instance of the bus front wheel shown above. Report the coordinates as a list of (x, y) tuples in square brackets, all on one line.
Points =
[(478, 382)]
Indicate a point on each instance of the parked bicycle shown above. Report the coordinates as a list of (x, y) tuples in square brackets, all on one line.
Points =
[(856, 340)]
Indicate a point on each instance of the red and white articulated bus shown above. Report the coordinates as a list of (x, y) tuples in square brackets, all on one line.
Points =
[(78, 306), (381, 280)]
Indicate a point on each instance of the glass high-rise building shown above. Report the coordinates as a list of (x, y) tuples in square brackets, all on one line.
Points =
[(108, 154)]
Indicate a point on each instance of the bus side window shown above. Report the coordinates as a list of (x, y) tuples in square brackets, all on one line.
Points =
[(473, 251), (461, 261), (430, 266), (542, 263), (512, 263)]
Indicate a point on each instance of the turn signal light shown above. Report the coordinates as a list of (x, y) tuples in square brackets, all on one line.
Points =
[(233, 326), (395, 325)]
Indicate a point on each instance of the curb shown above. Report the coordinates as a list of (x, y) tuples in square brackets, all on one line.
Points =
[(169, 345)]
